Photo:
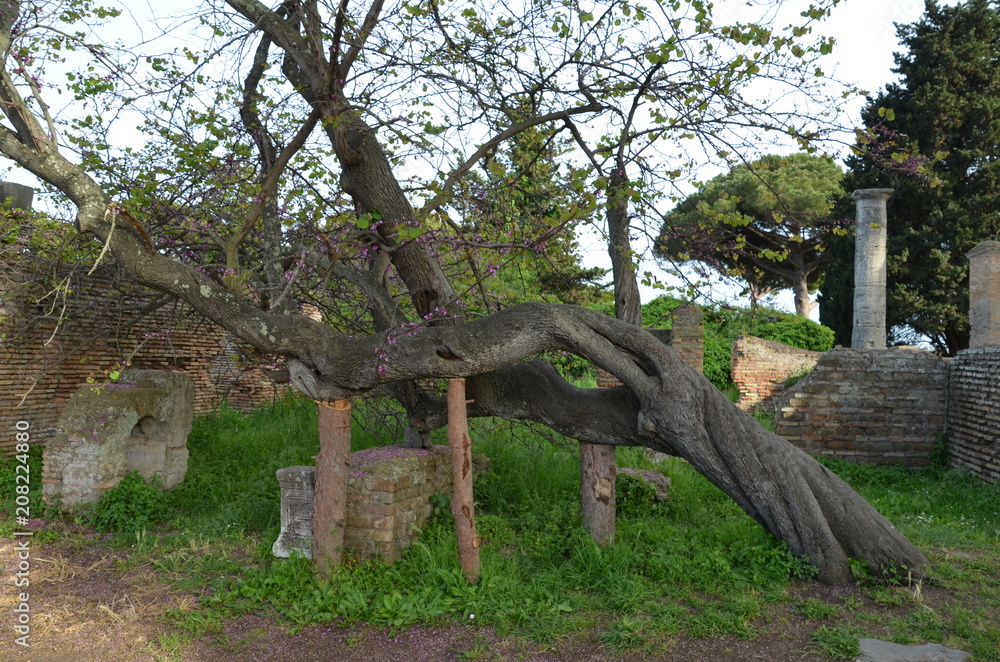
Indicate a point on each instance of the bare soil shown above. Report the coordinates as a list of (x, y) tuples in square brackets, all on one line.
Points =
[(89, 604)]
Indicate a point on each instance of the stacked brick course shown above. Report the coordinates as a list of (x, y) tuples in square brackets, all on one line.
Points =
[(984, 294), (687, 337), (388, 497), (873, 406), (51, 359), (761, 367), (974, 412)]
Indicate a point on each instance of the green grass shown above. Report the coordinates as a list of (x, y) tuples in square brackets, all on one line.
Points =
[(694, 567), (542, 575), (838, 643), (230, 487)]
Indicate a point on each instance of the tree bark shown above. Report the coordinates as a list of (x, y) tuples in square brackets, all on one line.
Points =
[(330, 501), (463, 508), (800, 290), (628, 307), (598, 473)]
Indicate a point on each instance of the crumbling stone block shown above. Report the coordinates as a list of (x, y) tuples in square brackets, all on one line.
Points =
[(140, 423), (298, 487)]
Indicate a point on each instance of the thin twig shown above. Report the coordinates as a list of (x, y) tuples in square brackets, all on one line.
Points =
[(113, 210)]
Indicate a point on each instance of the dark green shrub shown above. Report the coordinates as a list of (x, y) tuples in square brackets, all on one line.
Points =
[(797, 332), (656, 313), (132, 505), (718, 360)]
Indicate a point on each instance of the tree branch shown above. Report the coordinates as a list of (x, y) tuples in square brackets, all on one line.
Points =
[(449, 184), (371, 20)]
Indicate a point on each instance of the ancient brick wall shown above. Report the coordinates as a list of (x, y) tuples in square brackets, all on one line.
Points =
[(47, 357), (974, 412), (873, 406), (687, 337), (760, 369)]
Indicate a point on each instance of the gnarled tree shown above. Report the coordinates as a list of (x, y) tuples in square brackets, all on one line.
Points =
[(495, 64)]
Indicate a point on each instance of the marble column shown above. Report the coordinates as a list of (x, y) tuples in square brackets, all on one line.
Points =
[(869, 268)]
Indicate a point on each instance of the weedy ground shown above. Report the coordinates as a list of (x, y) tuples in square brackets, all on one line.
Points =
[(691, 578)]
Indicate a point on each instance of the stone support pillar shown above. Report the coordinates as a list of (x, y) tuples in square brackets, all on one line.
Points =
[(869, 268), (984, 294)]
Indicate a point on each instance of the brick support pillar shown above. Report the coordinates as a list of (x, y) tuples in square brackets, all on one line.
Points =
[(688, 336), (984, 294)]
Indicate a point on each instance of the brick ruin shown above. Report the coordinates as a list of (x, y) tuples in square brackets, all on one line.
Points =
[(388, 498), (44, 358), (890, 406), (761, 369), (871, 406), (973, 404)]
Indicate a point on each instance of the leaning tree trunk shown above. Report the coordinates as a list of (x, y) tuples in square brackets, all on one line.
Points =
[(668, 406)]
